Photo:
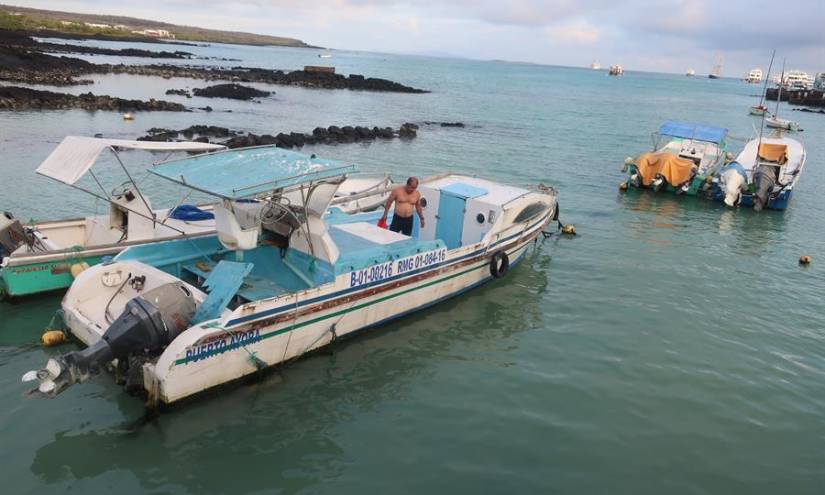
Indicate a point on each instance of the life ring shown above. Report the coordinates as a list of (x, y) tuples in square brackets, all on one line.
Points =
[(499, 264)]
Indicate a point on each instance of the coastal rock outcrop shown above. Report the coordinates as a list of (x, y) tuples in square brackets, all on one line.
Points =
[(232, 90), (17, 98), (320, 135), (179, 92)]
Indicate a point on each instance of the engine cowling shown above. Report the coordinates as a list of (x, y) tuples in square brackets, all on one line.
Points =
[(148, 324)]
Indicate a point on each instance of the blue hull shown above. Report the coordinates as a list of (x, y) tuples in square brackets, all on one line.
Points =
[(780, 202)]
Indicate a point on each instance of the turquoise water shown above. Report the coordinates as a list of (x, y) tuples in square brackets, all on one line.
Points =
[(674, 346)]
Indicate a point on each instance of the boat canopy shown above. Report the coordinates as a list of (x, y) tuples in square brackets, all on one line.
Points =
[(75, 155), (247, 172), (689, 130)]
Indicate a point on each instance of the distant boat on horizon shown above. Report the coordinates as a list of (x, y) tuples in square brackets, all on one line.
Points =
[(596, 65), (754, 76), (716, 72), (690, 73), (616, 70)]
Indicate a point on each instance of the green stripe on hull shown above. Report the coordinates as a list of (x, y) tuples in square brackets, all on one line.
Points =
[(296, 326), (34, 278)]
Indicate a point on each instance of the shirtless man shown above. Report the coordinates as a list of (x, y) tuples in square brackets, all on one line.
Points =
[(405, 198)]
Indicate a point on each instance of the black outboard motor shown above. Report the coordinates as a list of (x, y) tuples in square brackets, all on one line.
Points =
[(763, 180), (148, 323)]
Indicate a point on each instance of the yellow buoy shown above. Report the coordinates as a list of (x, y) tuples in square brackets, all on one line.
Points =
[(568, 229), (53, 337), (805, 260), (78, 268)]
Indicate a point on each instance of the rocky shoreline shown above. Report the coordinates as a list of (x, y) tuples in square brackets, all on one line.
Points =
[(22, 60), (17, 98), (255, 75), (320, 135)]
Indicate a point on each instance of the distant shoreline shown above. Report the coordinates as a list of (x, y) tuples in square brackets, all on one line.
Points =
[(70, 25)]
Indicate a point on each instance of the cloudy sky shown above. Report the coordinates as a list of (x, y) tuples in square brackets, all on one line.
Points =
[(664, 35)]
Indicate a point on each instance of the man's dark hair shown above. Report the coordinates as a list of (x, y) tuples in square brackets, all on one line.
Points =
[(412, 181)]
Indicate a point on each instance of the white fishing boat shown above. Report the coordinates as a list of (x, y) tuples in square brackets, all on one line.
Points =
[(596, 65), (690, 73), (280, 280), (615, 70), (754, 76), (40, 256), (763, 175)]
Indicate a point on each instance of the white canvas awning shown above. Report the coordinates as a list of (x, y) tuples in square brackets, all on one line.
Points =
[(75, 155)]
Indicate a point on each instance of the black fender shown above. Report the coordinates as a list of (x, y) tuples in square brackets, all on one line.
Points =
[(499, 264)]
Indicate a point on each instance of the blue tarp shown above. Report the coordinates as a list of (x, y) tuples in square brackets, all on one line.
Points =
[(247, 172), (688, 130)]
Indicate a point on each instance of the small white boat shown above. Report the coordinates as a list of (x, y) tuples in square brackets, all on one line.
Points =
[(780, 123), (615, 70), (38, 257), (758, 110), (281, 280), (763, 175), (359, 194), (596, 65), (774, 121), (690, 73), (325, 55)]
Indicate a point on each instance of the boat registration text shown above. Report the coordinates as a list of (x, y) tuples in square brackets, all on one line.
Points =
[(377, 273)]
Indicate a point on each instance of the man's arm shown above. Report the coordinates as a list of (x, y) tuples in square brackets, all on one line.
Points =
[(387, 205), (420, 210)]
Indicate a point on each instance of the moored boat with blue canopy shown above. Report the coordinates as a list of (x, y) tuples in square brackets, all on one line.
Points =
[(286, 272), (684, 157)]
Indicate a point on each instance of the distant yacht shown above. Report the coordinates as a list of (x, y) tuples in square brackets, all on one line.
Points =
[(690, 73), (797, 79), (596, 65), (716, 72), (325, 55), (754, 76), (616, 70)]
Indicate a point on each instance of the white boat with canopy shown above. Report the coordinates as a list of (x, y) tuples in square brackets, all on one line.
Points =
[(282, 278), (39, 256)]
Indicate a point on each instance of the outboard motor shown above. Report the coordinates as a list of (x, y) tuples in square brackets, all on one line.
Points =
[(12, 234), (732, 181), (763, 180), (148, 323)]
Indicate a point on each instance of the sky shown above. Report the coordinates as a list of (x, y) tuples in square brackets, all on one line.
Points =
[(660, 36)]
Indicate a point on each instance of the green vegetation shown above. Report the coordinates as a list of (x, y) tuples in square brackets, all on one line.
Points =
[(27, 19)]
